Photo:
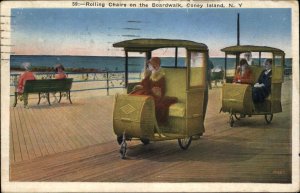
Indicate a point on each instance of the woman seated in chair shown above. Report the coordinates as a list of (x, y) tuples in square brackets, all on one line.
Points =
[(262, 88), (243, 74), (153, 84)]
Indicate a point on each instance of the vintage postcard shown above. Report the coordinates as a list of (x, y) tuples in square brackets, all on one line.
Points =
[(149, 96)]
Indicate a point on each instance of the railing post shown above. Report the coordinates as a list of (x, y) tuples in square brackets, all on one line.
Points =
[(107, 84)]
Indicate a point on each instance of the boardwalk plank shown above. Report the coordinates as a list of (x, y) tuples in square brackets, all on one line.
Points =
[(55, 115), (54, 129), (19, 127), (31, 132), (251, 151), (37, 133), (13, 140), (28, 136), (38, 119)]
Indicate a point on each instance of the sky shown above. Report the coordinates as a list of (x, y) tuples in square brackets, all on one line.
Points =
[(91, 32)]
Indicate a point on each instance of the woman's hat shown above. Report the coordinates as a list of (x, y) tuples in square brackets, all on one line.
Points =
[(243, 62), (27, 65), (154, 61), (57, 66)]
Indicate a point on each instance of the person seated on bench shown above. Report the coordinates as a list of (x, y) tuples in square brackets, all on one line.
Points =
[(244, 74), (154, 85), (262, 88), (27, 75), (59, 71), (59, 74)]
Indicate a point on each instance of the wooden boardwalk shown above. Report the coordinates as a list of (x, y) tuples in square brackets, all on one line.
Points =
[(76, 142)]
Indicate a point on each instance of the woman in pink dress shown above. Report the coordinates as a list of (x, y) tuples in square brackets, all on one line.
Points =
[(27, 75), (154, 84)]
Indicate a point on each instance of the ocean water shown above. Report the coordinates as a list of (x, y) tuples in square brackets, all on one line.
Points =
[(107, 63)]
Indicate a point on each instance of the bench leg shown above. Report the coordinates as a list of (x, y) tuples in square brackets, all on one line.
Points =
[(48, 98), (69, 96), (16, 99), (25, 96), (39, 98), (59, 97)]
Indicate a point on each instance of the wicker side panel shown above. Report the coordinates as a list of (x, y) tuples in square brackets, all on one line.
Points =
[(237, 98), (134, 115), (256, 71), (148, 119), (276, 98), (277, 74), (176, 83), (177, 125), (195, 126), (194, 111)]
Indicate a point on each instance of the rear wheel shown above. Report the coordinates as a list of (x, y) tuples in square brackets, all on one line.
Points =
[(268, 118), (231, 121), (185, 142), (145, 141)]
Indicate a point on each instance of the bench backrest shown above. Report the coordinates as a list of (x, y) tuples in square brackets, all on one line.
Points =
[(176, 83), (48, 85)]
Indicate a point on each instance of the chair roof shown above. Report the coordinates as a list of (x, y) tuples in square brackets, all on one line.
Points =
[(145, 44), (249, 48)]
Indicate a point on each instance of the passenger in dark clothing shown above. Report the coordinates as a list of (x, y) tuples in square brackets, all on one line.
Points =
[(262, 88)]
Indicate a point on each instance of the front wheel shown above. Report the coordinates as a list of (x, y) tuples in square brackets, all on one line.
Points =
[(119, 139), (185, 142), (237, 116), (123, 149), (268, 118)]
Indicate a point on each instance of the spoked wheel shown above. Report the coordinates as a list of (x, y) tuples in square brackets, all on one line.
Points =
[(145, 141), (268, 118), (231, 120), (119, 139), (185, 142), (123, 147)]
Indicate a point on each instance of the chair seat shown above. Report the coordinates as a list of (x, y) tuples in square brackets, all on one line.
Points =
[(177, 110)]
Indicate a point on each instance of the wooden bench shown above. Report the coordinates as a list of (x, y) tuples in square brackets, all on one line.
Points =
[(46, 86)]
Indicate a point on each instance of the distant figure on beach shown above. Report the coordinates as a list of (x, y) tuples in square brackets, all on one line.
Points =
[(248, 57), (243, 74), (262, 88), (153, 84), (60, 71), (208, 74), (27, 75)]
